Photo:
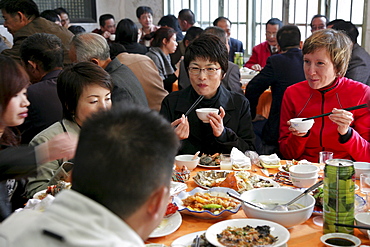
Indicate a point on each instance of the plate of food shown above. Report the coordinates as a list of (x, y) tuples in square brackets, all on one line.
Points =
[(239, 181), (210, 161), (52, 190), (167, 226), (247, 231), (213, 203), (188, 240)]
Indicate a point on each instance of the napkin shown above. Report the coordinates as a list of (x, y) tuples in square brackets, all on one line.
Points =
[(239, 160)]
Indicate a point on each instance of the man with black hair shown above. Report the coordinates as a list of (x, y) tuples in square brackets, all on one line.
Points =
[(22, 19), (281, 71), (186, 19), (234, 44), (318, 22), (42, 58), (261, 52), (120, 190), (107, 27), (359, 64)]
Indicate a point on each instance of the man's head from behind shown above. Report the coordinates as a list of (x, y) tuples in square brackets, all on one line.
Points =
[(106, 23), (186, 19), (192, 34), (348, 28), (89, 47), (220, 33), (18, 13), (272, 27), (289, 37), (126, 166), (41, 53)]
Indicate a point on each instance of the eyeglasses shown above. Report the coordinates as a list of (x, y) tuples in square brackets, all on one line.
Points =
[(208, 71)]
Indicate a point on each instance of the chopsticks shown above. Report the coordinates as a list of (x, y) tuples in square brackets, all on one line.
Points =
[(197, 241), (353, 226), (194, 105), (327, 114)]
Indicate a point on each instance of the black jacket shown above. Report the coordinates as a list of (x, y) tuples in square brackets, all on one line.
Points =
[(238, 130)]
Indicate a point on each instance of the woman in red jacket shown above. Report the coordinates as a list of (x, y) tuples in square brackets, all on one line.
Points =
[(347, 134)]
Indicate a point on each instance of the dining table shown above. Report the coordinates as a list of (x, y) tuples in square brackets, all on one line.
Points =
[(305, 234)]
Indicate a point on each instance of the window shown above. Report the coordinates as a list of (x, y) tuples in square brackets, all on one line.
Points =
[(249, 17), (80, 11)]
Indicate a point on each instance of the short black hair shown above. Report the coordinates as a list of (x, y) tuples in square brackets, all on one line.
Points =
[(103, 18), (209, 47), (120, 162), (193, 33), (219, 32), (27, 7), (331, 23), (215, 22), (187, 15), (289, 36), (171, 21), (115, 49), (275, 21), (50, 15), (61, 10), (44, 49), (142, 10), (348, 28), (76, 29), (320, 16), (126, 31), (72, 81)]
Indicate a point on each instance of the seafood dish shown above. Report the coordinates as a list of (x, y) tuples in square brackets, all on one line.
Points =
[(210, 161), (239, 181)]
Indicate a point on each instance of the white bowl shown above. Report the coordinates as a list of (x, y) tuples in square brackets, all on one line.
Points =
[(186, 160), (346, 236), (304, 171), (301, 126), (361, 167), (303, 182), (278, 195), (363, 219), (202, 113)]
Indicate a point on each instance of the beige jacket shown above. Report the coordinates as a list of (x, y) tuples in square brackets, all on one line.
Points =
[(147, 73)]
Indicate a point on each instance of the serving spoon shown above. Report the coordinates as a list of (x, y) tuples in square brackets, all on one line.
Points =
[(241, 200), (284, 207)]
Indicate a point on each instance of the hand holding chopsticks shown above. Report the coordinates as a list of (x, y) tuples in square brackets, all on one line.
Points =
[(327, 114), (194, 105)]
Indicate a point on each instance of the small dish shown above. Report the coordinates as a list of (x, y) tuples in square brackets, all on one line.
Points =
[(355, 240), (219, 191), (186, 240)]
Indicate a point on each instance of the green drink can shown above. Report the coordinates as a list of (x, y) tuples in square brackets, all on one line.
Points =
[(339, 195), (238, 59)]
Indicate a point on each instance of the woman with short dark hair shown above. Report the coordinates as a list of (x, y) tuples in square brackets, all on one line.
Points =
[(126, 34), (83, 89), (206, 60)]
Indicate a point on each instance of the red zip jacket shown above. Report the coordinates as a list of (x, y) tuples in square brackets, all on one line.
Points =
[(300, 100), (260, 53)]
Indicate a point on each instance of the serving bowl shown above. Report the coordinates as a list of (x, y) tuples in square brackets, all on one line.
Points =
[(202, 113), (301, 126), (186, 160), (361, 167), (304, 171), (206, 214), (303, 182), (363, 219), (278, 195)]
